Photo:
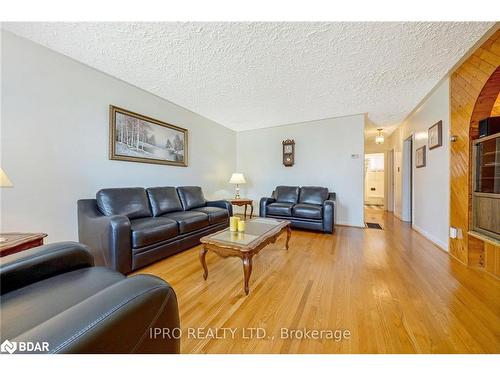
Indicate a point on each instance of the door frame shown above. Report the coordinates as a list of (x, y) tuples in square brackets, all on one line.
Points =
[(407, 188), (390, 180)]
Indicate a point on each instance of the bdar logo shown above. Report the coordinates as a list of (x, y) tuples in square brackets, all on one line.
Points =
[(8, 346)]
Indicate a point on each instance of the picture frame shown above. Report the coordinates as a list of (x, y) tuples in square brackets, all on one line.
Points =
[(137, 138), (435, 135), (420, 157)]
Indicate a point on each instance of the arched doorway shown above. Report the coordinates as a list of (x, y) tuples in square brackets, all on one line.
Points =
[(485, 103), (474, 88), (480, 248)]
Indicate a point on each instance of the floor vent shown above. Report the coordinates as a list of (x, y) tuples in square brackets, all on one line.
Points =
[(373, 226)]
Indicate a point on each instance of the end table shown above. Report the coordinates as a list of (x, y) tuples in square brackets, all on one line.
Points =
[(16, 242), (243, 202)]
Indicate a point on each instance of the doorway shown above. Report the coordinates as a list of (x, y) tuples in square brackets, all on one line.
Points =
[(407, 179), (374, 189)]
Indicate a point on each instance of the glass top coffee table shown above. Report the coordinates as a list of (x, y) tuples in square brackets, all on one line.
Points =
[(259, 233)]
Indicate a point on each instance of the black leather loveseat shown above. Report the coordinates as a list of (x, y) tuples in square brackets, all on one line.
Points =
[(128, 228), (54, 298), (306, 207)]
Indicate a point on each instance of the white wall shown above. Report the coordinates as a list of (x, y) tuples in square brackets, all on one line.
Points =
[(54, 140), (323, 152), (431, 184)]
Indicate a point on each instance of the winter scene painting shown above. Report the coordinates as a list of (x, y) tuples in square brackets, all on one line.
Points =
[(139, 138)]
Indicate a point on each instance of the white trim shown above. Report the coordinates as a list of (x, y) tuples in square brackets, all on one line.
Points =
[(443, 246), (345, 224), (407, 188)]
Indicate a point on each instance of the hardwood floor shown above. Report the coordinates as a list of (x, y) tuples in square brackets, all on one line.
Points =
[(374, 215), (392, 289)]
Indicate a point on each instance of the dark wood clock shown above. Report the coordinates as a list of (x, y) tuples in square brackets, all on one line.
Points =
[(288, 152)]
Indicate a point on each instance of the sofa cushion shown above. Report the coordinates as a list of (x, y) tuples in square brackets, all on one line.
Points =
[(150, 230), (280, 209), (308, 211), (286, 194), (188, 221), (163, 200), (131, 202), (215, 214), (191, 197), (313, 194)]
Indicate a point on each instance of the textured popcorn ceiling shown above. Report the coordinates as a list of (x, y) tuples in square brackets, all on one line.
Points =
[(253, 75)]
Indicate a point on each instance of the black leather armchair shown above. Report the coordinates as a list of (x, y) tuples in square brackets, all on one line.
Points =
[(128, 228), (307, 207), (55, 296)]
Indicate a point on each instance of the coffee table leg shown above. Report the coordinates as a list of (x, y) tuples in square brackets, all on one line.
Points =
[(247, 270), (288, 235), (203, 253), (251, 211), (245, 212)]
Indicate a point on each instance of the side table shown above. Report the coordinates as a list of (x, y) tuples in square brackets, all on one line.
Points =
[(243, 202), (16, 242)]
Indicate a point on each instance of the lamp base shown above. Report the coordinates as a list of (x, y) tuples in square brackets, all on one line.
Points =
[(237, 196)]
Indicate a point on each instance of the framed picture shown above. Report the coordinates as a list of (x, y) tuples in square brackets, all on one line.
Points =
[(435, 135), (420, 157), (134, 137)]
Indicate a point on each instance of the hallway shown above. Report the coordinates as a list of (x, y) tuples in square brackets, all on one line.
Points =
[(375, 214)]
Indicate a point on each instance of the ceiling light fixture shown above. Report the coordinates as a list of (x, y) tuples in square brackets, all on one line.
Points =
[(379, 138)]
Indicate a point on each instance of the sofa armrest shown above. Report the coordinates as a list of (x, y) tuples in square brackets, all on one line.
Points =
[(263, 205), (108, 237), (42, 262), (332, 196), (329, 216), (221, 204), (130, 316)]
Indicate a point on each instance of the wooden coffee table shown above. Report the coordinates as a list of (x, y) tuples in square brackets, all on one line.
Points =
[(259, 233)]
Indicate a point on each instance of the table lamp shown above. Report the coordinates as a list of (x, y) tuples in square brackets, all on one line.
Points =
[(4, 182), (237, 178)]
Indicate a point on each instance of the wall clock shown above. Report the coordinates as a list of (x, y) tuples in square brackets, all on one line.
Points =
[(288, 152)]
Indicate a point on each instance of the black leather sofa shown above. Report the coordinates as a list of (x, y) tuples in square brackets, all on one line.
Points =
[(128, 228), (306, 207), (54, 296)]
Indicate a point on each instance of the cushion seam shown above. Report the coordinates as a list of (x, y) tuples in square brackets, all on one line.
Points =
[(34, 256), (87, 328), (141, 339)]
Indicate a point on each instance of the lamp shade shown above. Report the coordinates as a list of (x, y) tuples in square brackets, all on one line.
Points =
[(237, 178), (379, 138), (4, 180)]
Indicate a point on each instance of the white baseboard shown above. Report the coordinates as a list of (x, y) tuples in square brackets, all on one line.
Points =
[(436, 241), (240, 210), (348, 224)]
